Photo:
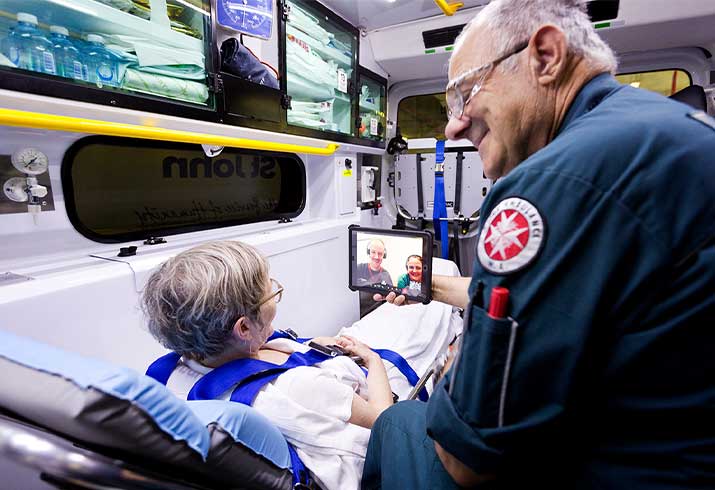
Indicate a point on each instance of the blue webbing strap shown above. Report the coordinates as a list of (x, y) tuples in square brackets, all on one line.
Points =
[(162, 368), (391, 356), (252, 382), (402, 365), (287, 334), (439, 210), (251, 375)]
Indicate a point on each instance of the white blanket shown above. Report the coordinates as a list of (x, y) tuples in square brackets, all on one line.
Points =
[(419, 333)]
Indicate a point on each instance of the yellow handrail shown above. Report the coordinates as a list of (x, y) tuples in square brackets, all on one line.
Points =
[(23, 119), (448, 8)]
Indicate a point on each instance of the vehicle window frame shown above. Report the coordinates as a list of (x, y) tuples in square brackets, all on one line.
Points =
[(68, 189)]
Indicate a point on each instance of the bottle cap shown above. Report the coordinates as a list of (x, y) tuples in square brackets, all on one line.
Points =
[(24, 17), (59, 30), (95, 38)]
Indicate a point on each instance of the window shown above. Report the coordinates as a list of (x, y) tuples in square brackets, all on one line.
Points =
[(664, 82), (422, 116), (120, 189)]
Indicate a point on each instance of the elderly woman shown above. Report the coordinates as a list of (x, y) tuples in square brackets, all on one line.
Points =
[(215, 303)]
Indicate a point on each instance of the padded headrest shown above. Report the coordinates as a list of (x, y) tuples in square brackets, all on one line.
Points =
[(117, 409), (694, 96)]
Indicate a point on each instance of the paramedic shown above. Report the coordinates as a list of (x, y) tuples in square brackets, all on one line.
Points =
[(602, 228)]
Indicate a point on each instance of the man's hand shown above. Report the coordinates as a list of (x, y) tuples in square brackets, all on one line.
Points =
[(393, 298)]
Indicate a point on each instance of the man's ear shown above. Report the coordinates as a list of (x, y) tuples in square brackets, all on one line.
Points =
[(547, 54), (241, 329)]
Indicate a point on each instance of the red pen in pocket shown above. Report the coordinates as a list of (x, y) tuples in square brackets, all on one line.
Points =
[(498, 303)]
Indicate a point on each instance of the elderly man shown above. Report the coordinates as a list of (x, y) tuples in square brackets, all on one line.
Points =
[(372, 272), (600, 371)]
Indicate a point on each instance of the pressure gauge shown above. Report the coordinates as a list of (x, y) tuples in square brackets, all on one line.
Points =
[(30, 161)]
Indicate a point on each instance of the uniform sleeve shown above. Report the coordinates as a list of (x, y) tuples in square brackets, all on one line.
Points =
[(518, 380)]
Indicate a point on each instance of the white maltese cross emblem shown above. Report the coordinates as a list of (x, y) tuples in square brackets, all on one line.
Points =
[(511, 237)]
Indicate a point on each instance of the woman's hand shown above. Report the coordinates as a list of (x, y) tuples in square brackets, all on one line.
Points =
[(365, 413), (353, 346), (325, 340)]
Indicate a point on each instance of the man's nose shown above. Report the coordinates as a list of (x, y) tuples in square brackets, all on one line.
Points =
[(456, 126)]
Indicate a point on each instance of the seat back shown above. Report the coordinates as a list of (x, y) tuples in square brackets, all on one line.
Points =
[(694, 96), (128, 415)]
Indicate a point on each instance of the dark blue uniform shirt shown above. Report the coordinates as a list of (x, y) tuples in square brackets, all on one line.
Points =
[(604, 377)]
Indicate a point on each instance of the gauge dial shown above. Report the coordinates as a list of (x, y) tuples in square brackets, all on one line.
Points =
[(251, 17), (30, 161)]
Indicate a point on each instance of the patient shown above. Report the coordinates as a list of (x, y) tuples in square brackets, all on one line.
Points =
[(215, 303)]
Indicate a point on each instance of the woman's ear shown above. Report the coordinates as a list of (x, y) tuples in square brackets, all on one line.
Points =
[(241, 329)]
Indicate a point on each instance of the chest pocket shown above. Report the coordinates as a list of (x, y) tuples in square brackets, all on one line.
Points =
[(480, 382)]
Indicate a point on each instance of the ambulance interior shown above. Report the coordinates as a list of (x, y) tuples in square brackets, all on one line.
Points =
[(104, 180)]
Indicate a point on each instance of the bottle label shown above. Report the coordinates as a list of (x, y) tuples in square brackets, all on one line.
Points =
[(48, 62), (105, 72), (77, 70)]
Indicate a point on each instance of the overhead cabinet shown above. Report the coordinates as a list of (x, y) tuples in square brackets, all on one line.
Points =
[(177, 57)]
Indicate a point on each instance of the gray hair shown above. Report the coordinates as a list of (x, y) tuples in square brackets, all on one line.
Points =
[(194, 299), (511, 22)]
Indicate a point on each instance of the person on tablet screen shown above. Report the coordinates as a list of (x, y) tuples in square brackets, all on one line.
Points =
[(410, 283), (372, 272)]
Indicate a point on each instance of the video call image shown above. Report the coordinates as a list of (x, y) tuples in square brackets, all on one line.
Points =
[(390, 263)]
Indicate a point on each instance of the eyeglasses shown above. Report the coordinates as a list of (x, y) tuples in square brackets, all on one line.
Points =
[(456, 102), (414, 267), (276, 293)]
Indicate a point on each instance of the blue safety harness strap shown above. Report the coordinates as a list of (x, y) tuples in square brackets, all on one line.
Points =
[(162, 368), (403, 366), (287, 334), (250, 375), (439, 210)]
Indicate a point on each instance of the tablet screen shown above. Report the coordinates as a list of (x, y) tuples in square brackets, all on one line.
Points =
[(391, 260)]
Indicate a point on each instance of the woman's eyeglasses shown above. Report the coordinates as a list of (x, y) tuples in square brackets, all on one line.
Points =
[(275, 295)]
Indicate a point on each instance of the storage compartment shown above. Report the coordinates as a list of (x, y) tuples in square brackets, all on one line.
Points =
[(320, 60), (372, 105), (147, 47)]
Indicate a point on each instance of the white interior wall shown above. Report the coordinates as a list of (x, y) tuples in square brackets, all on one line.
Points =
[(90, 305)]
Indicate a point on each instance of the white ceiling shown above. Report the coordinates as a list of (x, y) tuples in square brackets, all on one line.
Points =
[(374, 14)]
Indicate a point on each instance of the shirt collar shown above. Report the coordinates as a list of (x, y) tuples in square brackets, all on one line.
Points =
[(589, 97)]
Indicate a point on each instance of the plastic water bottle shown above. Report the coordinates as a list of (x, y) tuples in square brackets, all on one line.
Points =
[(101, 66), (28, 48), (67, 58), (5, 42)]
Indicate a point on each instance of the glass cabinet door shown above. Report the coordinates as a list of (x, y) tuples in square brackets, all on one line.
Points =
[(372, 104), (154, 47), (320, 60)]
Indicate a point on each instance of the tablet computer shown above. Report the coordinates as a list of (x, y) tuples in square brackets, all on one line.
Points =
[(391, 260)]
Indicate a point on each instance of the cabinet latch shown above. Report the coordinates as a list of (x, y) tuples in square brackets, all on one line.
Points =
[(285, 9), (285, 101), (215, 83)]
